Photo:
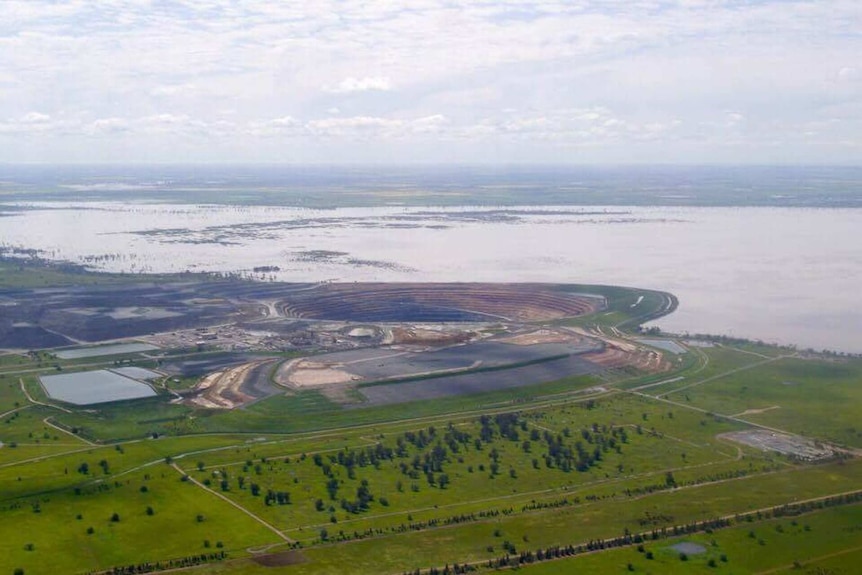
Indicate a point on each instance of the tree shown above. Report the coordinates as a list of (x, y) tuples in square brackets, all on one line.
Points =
[(115, 518)]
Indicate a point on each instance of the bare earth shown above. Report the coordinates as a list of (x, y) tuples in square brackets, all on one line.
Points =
[(222, 389), (542, 336), (307, 373), (756, 411)]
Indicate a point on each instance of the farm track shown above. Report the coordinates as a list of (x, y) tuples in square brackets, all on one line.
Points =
[(811, 560), (232, 503), (37, 402), (733, 371), (47, 421)]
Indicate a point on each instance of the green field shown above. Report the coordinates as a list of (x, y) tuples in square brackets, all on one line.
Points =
[(828, 540), (308, 486), (475, 514)]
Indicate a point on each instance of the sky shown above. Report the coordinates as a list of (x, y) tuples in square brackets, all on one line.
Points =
[(431, 81)]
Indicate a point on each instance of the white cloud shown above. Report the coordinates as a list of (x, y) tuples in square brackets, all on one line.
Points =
[(218, 77), (172, 89), (35, 118), (733, 118), (285, 121), (32, 123), (354, 126), (110, 125), (848, 74), (366, 84)]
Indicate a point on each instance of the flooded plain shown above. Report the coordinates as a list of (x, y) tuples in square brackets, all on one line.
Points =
[(786, 275)]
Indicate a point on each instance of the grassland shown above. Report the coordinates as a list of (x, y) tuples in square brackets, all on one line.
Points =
[(820, 399), (473, 515), (464, 479), (827, 539)]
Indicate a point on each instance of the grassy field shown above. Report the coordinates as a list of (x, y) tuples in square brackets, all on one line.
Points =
[(528, 507), (407, 485), (516, 503), (480, 541), (65, 532), (820, 542), (821, 399), (462, 479)]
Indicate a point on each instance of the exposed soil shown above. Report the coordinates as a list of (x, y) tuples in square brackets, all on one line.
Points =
[(645, 360), (418, 336), (756, 411), (308, 373), (224, 389), (541, 336), (281, 559)]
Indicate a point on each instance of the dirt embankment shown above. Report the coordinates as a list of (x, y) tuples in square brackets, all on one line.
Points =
[(540, 336), (644, 360), (421, 336), (224, 389), (309, 373)]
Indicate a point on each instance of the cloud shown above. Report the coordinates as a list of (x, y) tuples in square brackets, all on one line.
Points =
[(429, 124), (354, 126), (733, 118), (848, 74), (521, 78), (172, 90), (35, 118), (284, 125), (110, 126), (366, 84), (32, 123)]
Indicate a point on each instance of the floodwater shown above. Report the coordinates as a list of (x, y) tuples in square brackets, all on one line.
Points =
[(785, 275)]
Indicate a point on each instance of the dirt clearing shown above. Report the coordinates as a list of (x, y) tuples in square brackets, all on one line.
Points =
[(224, 389)]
